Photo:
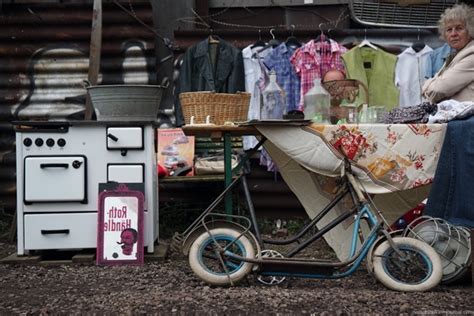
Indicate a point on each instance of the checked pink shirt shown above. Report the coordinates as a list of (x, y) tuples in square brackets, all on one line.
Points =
[(313, 59)]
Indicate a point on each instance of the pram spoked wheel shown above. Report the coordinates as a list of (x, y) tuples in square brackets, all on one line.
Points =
[(270, 279), (418, 268), (209, 256)]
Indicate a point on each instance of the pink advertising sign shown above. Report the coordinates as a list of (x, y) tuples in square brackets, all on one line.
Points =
[(120, 227)]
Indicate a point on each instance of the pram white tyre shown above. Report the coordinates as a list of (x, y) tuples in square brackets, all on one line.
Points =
[(206, 264), (422, 265), (378, 241)]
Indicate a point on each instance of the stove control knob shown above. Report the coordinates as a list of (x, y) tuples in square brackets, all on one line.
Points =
[(27, 142), (39, 142), (61, 142), (50, 142), (76, 164)]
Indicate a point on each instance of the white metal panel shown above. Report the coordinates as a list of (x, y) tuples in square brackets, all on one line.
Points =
[(89, 141), (60, 231), (124, 137), (55, 179), (126, 173)]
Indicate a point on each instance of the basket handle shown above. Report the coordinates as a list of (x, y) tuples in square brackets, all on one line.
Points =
[(366, 90)]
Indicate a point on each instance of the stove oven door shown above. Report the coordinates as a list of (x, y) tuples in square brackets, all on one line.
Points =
[(55, 179)]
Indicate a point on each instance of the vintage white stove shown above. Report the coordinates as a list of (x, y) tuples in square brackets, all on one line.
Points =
[(59, 168)]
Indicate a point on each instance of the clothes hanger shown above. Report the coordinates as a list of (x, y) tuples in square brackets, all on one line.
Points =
[(418, 45), (292, 40), (321, 37), (259, 42), (212, 38), (273, 42), (365, 42)]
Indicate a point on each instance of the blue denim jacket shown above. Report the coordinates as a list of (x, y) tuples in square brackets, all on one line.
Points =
[(436, 60), (451, 196)]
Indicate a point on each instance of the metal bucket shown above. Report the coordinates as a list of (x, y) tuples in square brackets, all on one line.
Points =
[(126, 102)]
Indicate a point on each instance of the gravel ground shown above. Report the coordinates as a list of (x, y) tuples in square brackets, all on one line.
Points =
[(170, 287)]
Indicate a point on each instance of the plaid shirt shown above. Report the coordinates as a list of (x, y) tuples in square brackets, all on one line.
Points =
[(279, 60), (313, 59)]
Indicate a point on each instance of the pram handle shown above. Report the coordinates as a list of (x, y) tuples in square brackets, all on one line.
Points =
[(347, 172), (347, 162)]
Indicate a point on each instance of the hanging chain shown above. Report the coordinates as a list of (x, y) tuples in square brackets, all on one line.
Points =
[(200, 18), (341, 16), (133, 14), (131, 9), (202, 22), (248, 26)]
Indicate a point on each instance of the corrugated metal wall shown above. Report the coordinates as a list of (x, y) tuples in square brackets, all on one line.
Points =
[(44, 58)]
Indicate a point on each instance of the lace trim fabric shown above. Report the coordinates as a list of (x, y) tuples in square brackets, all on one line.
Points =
[(410, 114)]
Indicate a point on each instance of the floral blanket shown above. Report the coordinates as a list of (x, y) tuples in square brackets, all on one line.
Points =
[(386, 158)]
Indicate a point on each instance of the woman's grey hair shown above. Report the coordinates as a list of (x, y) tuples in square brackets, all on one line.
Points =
[(459, 13)]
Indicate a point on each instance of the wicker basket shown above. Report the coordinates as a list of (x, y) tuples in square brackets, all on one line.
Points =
[(221, 107), (345, 89)]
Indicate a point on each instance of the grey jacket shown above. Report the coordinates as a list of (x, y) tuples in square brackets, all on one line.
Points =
[(197, 72)]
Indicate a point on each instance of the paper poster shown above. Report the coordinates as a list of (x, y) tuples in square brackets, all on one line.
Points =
[(120, 227), (175, 152)]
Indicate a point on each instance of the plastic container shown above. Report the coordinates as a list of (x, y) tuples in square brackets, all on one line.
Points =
[(317, 102), (274, 103)]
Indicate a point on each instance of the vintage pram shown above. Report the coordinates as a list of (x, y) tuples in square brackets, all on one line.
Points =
[(224, 248)]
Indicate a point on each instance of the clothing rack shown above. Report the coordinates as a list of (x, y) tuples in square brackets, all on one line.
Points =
[(310, 32), (243, 37)]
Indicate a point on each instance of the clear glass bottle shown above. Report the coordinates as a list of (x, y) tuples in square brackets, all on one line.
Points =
[(274, 101), (364, 114), (317, 102)]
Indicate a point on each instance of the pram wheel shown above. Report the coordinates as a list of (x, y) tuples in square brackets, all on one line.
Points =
[(270, 279), (418, 269), (370, 255), (214, 266)]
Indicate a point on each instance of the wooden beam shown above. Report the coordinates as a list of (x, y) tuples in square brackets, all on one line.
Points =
[(94, 52)]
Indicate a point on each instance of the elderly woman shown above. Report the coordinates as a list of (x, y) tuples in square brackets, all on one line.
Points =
[(455, 80)]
